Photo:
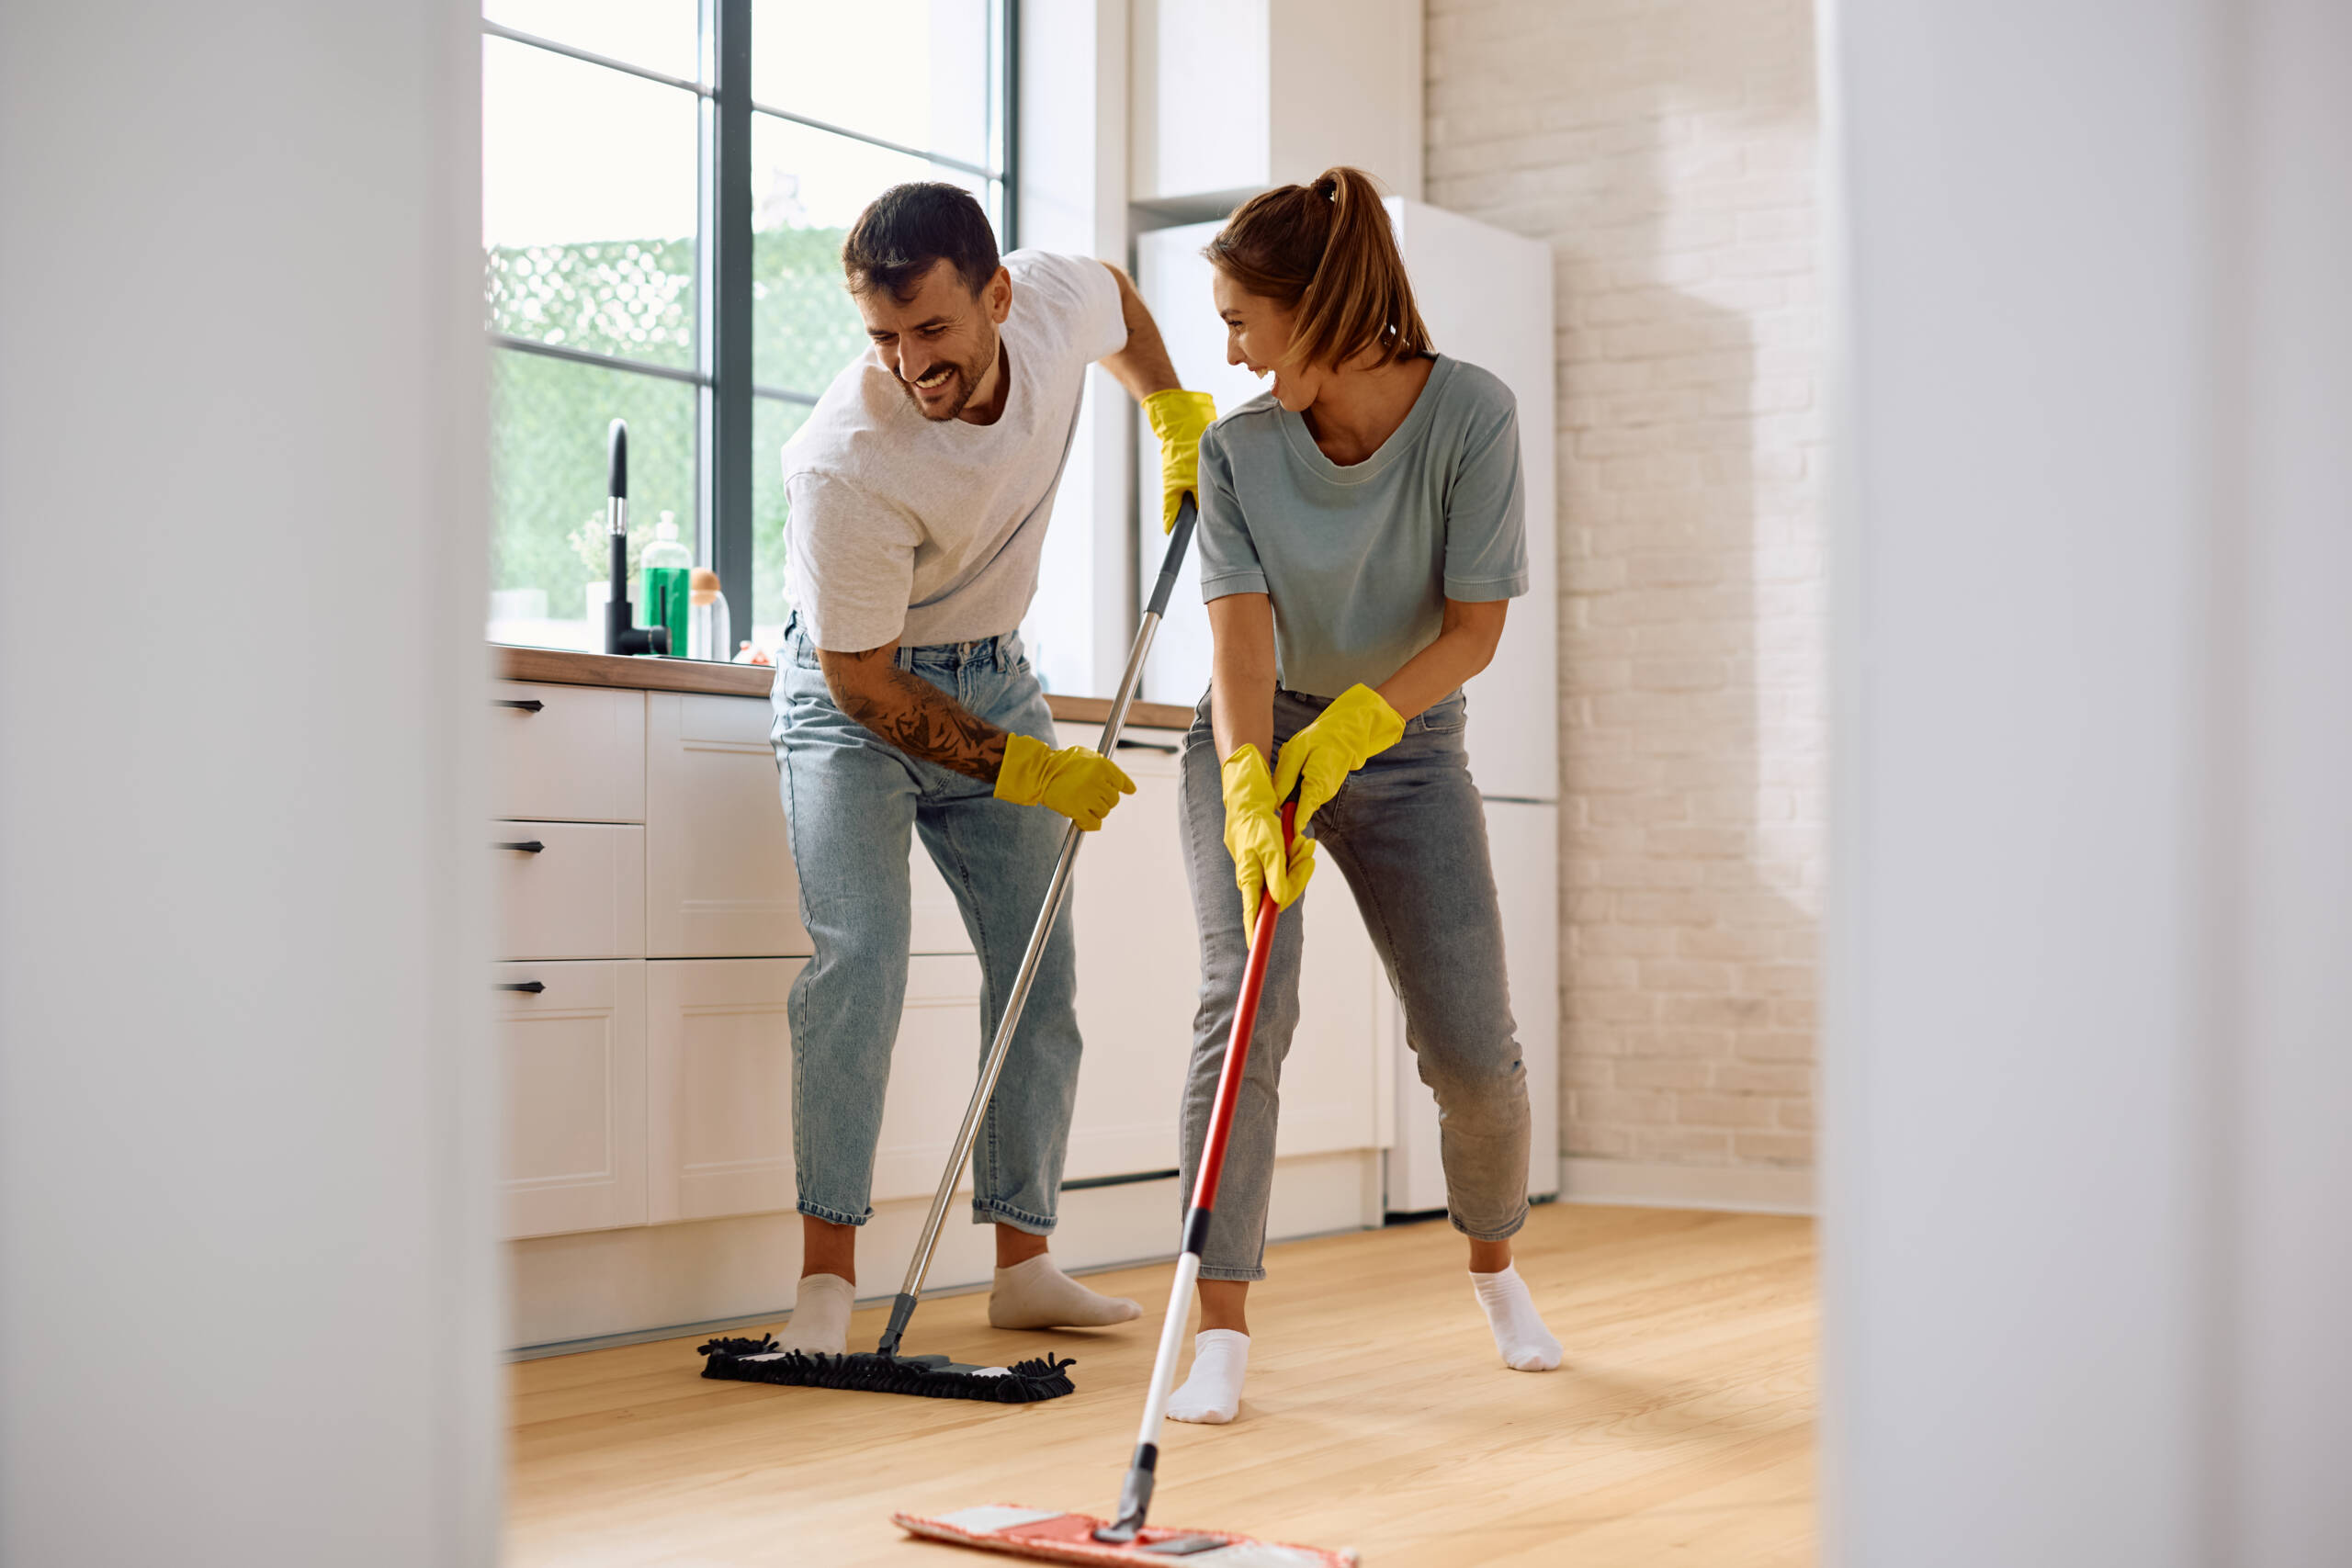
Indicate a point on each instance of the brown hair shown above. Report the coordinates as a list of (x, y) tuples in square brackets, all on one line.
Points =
[(1326, 251), (909, 229)]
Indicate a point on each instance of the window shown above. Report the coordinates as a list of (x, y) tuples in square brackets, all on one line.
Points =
[(666, 184)]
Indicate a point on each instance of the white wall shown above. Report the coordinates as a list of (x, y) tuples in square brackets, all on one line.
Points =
[(247, 1293), (1664, 150), (1073, 198), (2086, 1067)]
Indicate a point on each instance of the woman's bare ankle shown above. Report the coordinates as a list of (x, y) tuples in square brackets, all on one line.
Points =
[(1224, 1304)]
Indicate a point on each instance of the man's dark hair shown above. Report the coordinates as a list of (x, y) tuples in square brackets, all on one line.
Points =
[(907, 227)]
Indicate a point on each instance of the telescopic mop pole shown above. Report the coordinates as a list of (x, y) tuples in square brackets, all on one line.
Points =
[(992, 1066), (1134, 1497)]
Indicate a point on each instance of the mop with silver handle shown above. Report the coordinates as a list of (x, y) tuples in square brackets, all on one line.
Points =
[(884, 1370)]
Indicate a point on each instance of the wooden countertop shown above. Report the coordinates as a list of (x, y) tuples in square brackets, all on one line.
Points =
[(562, 667)]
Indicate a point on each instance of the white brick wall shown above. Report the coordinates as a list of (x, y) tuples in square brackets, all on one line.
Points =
[(1665, 148)]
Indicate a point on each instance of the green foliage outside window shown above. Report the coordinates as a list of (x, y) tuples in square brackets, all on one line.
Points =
[(635, 299)]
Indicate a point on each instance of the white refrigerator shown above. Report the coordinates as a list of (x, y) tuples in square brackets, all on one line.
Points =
[(1486, 296)]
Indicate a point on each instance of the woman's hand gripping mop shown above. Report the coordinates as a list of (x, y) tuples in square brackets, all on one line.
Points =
[(884, 1370), (1058, 1536)]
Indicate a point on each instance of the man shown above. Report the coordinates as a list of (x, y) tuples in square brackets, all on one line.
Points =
[(920, 489)]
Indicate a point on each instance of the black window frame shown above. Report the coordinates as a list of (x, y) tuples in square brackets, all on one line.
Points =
[(722, 378)]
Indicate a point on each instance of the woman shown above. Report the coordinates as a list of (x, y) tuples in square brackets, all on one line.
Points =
[(1361, 530)]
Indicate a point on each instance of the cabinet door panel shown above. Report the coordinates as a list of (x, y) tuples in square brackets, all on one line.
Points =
[(718, 873), (718, 1059), (1138, 970), (1329, 1095), (933, 1068), (575, 1096), (579, 895), (578, 756)]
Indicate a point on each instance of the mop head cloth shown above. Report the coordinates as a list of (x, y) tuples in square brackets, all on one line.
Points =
[(1070, 1537), (925, 1377)]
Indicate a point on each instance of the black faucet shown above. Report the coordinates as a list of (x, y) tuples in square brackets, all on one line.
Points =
[(622, 635)]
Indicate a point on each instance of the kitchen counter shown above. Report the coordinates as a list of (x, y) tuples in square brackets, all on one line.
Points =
[(563, 668)]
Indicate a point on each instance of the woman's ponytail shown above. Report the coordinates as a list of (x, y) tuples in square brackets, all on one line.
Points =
[(1326, 251)]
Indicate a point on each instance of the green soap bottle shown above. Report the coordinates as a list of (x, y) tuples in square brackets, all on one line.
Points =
[(661, 583)]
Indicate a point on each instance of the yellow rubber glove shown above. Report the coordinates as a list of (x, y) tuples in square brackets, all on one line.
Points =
[(1077, 781), (1178, 417), (1253, 835), (1356, 727)]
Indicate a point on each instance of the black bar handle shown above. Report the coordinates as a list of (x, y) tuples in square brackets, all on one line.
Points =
[(1180, 538), (902, 1312), (533, 986), (1162, 747), (616, 460), (529, 705), (529, 846)]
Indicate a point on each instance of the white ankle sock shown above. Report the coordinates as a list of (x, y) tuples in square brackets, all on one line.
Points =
[(1212, 1394), (1038, 1295), (1526, 1345), (820, 1315)]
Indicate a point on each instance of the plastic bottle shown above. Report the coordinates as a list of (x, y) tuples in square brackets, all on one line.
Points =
[(708, 628), (661, 583)]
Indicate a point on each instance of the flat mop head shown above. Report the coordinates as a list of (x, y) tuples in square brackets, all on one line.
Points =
[(1056, 1537), (925, 1377)]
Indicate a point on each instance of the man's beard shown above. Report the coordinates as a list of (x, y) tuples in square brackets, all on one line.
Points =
[(966, 379)]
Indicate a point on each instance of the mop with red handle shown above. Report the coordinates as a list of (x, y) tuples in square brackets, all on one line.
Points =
[(1060, 1537)]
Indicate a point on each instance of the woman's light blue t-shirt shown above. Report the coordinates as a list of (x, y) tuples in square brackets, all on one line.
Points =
[(1359, 560)]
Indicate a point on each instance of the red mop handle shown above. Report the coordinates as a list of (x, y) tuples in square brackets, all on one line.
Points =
[(1236, 1048), (1134, 1497)]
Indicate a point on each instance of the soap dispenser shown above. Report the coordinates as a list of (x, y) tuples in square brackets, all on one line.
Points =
[(664, 572)]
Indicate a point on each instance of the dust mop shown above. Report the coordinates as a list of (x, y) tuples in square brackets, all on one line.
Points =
[(1058, 1536), (884, 1370)]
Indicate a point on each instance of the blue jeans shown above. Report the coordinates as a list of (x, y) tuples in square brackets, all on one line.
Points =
[(851, 800), (1409, 833)]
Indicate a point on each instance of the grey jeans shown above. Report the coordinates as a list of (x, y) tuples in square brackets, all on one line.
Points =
[(1409, 833)]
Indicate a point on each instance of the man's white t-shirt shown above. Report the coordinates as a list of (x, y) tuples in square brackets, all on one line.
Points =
[(929, 532)]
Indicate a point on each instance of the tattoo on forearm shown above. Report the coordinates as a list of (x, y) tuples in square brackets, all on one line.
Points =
[(918, 717)]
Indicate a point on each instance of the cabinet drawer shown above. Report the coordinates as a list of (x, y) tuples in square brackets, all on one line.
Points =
[(569, 889), (574, 1056), (719, 1069), (718, 877), (577, 756)]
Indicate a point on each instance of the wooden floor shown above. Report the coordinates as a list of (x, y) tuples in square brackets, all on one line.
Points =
[(1679, 1431)]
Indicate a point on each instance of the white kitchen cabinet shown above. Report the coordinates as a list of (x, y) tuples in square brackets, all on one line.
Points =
[(718, 1072), (1330, 1089), (575, 1056), (1233, 95), (1138, 969), (567, 754), (569, 889), (718, 876), (933, 1068), (1139, 974)]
